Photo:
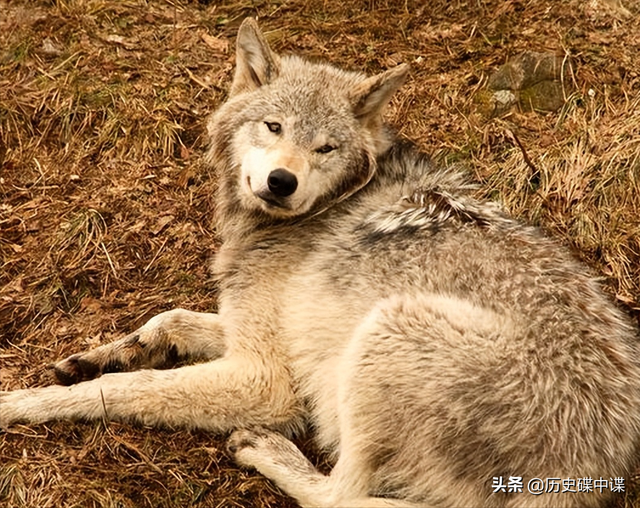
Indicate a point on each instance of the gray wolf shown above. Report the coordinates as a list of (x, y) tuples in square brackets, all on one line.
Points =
[(431, 342)]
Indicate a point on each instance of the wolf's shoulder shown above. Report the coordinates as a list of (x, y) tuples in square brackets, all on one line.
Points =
[(418, 194)]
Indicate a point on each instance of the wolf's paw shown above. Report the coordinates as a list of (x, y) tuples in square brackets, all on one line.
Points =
[(264, 450), (246, 446), (75, 369), (270, 453), (242, 439)]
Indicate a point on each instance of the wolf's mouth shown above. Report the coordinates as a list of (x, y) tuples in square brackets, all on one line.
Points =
[(270, 200)]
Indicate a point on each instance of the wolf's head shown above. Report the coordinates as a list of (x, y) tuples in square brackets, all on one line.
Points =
[(296, 137)]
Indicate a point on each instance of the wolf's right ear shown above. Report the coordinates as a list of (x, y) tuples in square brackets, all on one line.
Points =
[(256, 64), (370, 97)]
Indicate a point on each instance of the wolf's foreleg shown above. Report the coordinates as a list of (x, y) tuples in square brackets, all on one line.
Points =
[(160, 343), (218, 396)]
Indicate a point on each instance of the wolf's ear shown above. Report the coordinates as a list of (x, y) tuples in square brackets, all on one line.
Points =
[(371, 96), (256, 64)]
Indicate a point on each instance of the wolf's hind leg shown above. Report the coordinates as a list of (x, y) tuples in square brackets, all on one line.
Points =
[(281, 461), (436, 394), (163, 341)]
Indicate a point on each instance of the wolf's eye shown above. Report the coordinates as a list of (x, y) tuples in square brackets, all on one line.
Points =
[(325, 149), (274, 127)]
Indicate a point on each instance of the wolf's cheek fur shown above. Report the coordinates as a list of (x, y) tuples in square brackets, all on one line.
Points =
[(254, 170)]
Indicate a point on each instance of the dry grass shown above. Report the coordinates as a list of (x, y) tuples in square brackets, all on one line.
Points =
[(105, 205)]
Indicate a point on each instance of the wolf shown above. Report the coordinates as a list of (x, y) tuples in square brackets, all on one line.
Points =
[(433, 345)]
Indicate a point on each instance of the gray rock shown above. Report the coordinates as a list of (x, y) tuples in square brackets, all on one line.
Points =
[(532, 81)]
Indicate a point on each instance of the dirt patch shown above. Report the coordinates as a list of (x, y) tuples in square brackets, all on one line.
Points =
[(106, 205)]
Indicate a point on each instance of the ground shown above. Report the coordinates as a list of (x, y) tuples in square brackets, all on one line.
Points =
[(106, 205)]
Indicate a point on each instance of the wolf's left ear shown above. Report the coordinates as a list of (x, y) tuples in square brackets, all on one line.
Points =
[(256, 64), (371, 96)]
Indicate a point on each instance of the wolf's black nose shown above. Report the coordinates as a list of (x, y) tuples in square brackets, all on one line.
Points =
[(282, 183)]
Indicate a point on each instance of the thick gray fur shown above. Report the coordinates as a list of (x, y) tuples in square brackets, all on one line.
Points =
[(430, 341)]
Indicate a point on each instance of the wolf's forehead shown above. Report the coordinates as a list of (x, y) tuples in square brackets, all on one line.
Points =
[(310, 103), (305, 86), (302, 94)]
